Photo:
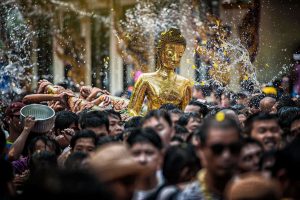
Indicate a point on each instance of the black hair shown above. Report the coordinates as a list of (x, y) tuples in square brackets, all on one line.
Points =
[(178, 158), (184, 119), (93, 119), (145, 135), (176, 111), (205, 89), (42, 160), (113, 113), (74, 160), (168, 107), (285, 101), (134, 122), (105, 140), (212, 122), (33, 141), (65, 184), (286, 115), (203, 108), (241, 95), (257, 117), (177, 138), (250, 140), (83, 134), (158, 114), (64, 119), (254, 101), (179, 130)]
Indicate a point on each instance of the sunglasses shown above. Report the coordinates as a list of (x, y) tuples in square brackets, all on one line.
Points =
[(233, 148)]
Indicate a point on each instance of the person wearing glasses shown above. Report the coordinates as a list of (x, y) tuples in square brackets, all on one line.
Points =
[(220, 150)]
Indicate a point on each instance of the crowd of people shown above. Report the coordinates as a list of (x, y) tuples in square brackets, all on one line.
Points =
[(223, 145)]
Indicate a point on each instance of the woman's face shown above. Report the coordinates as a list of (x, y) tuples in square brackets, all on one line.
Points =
[(171, 55)]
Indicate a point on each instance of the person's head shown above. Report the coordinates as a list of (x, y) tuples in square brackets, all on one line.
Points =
[(176, 140), (43, 143), (285, 101), (190, 121), (84, 141), (65, 119), (75, 161), (12, 117), (286, 169), (285, 118), (200, 91), (197, 107), (96, 121), (114, 165), (170, 48), (220, 145), (161, 121), (181, 164), (175, 115), (250, 157), (253, 186), (181, 131), (146, 147), (115, 122), (266, 104), (242, 99), (254, 103), (134, 122), (264, 128), (42, 160), (225, 100)]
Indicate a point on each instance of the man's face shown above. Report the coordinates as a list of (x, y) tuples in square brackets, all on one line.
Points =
[(268, 133), (146, 154), (224, 101), (175, 117), (15, 123), (221, 152), (250, 158), (115, 125), (161, 126), (99, 131), (85, 145), (193, 123), (192, 108)]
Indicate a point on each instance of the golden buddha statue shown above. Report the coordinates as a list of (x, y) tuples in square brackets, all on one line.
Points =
[(164, 85)]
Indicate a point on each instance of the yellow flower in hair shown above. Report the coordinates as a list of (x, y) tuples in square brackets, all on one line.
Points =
[(220, 116), (269, 90)]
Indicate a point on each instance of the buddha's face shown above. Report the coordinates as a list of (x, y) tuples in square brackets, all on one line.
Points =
[(171, 55)]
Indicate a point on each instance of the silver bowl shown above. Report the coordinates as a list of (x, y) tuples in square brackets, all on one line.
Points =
[(44, 117)]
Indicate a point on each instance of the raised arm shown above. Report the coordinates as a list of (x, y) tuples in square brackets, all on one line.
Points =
[(137, 97)]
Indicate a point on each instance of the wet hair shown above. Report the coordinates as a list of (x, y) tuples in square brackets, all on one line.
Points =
[(43, 160), (205, 89), (113, 113), (203, 108), (134, 122), (178, 158), (285, 101), (176, 111), (83, 134), (254, 101), (158, 114), (286, 115), (212, 122), (168, 107), (145, 135), (64, 119), (74, 160), (93, 119), (185, 118), (32, 143), (105, 140), (257, 117)]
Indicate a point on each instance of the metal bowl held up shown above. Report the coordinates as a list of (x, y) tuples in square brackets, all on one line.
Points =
[(44, 117)]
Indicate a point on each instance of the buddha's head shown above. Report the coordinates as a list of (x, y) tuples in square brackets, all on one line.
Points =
[(170, 48)]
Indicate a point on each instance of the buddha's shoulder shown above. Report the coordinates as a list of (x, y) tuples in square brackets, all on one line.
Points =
[(147, 76)]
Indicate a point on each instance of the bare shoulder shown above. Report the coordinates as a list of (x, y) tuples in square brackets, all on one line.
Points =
[(146, 77)]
